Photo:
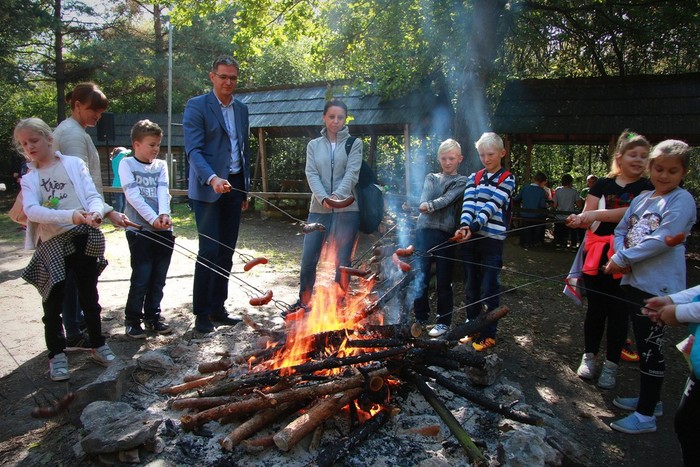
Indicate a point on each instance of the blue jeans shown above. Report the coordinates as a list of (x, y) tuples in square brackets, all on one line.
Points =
[(219, 220), (483, 260), (341, 228), (444, 259), (150, 259)]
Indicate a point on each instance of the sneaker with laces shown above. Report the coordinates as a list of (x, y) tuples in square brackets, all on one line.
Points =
[(135, 331), (58, 368), (483, 344), (103, 355), (586, 369), (158, 327), (630, 403), (632, 425), (438, 330), (628, 353), (608, 375)]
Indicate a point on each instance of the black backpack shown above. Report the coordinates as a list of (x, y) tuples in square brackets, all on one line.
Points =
[(370, 198)]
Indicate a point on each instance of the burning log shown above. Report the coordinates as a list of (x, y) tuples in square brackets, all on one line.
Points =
[(256, 423), (253, 404), (477, 397), (333, 453), (474, 326), (290, 435), (227, 387), (452, 423)]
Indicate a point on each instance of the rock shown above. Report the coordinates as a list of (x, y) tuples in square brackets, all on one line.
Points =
[(489, 374), (102, 413), (526, 447), (154, 360), (575, 454), (124, 434), (156, 445), (130, 457), (109, 386)]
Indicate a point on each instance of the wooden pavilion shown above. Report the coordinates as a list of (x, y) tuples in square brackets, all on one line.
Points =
[(587, 111)]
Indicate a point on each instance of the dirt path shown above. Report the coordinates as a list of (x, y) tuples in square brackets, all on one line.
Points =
[(540, 343)]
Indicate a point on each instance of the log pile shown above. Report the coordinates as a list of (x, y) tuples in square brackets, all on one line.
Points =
[(301, 398)]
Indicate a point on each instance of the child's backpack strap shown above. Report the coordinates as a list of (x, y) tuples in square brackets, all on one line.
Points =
[(478, 175)]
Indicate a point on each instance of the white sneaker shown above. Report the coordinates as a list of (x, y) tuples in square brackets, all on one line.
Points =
[(586, 369), (438, 330), (608, 375), (58, 368), (103, 355)]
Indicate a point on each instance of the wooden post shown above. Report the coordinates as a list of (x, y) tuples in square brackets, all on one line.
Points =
[(508, 160), (372, 149), (407, 151), (263, 158), (528, 159)]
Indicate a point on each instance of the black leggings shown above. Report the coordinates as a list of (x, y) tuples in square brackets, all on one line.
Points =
[(650, 345), (603, 307)]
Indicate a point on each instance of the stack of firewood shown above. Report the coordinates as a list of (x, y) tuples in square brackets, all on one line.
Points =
[(316, 390)]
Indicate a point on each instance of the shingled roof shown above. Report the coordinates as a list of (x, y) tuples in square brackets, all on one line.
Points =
[(297, 110), (592, 110)]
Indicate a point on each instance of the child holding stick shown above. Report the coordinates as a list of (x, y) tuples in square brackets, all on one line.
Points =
[(64, 211)]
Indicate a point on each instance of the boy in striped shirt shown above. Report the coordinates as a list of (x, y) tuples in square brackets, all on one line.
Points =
[(483, 226)]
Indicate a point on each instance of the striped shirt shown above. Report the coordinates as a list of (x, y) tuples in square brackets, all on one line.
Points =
[(484, 205)]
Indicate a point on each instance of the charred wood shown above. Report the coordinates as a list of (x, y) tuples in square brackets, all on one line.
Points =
[(476, 325), (256, 423), (333, 453)]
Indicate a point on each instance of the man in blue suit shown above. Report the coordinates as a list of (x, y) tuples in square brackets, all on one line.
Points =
[(218, 150)]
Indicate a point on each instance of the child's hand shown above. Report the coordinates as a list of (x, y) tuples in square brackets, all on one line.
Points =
[(423, 207), (162, 222), (79, 217), (94, 219), (613, 268), (665, 316), (655, 304), (462, 234), (117, 219), (580, 221)]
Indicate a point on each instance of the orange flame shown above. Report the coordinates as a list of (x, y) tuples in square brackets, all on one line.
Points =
[(332, 309)]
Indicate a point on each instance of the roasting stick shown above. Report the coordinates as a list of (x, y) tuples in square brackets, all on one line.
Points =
[(453, 240), (202, 261)]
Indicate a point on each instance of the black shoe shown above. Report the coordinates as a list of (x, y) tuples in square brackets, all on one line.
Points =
[(223, 319), (158, 327), (203, 325), (81, 341), (135, 331)]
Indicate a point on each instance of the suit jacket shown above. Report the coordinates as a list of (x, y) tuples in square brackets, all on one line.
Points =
[(208, 146)]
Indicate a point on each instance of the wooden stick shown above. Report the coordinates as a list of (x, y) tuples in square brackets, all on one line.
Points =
[(256, 423), (474, 326), (452, 423), (477, 397), (254, 404), (197, 383), (290, 435), (257, 444), (334, 452), (224, 363)]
